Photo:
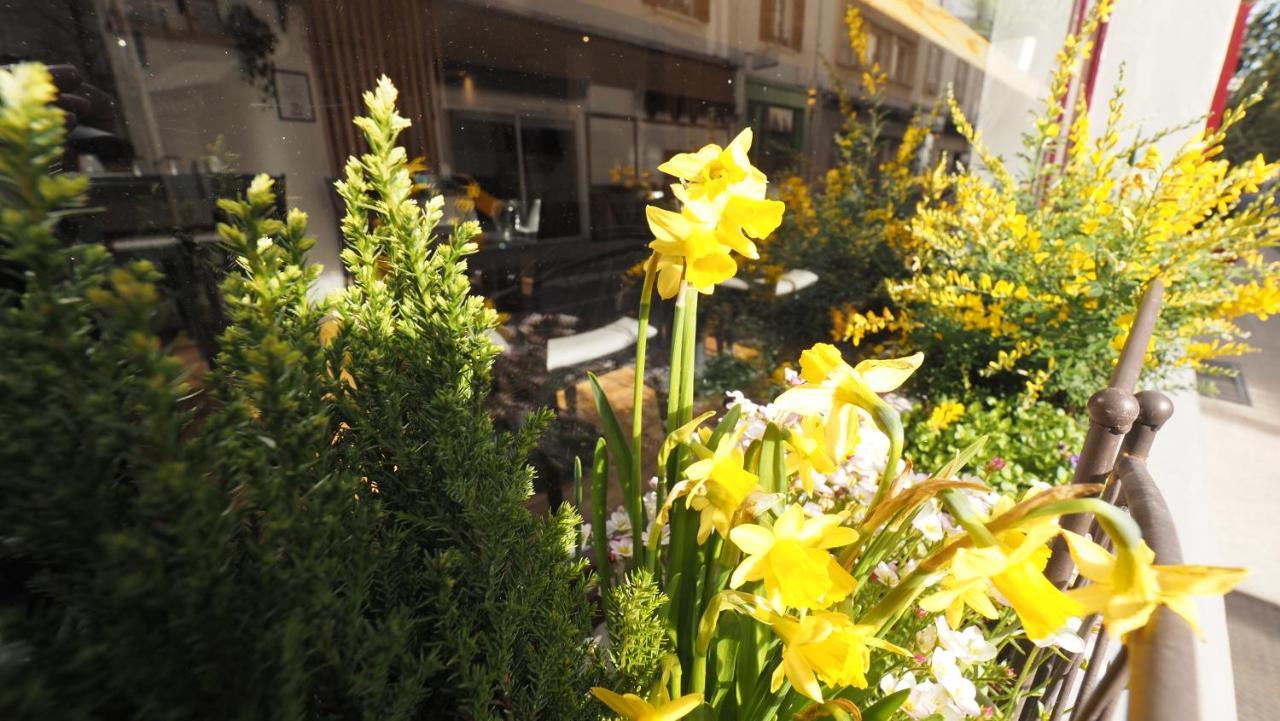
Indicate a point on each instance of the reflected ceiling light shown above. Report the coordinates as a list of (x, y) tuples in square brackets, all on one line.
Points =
[(122, 42), (586, 38), (655, 194)]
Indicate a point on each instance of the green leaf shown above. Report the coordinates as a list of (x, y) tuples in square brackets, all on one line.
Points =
[(955, 464), (577, 483), (680, 435), (619, 446), (726, 425), (600, 510), (884, 709), (773, 465)]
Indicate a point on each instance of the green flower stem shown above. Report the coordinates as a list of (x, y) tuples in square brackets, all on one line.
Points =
[(898, 598), (760, 689), (600, 512), (889, 421), (691, 562), (682, 579), (963, 512), (1027, 667), (676, 367), (637, 393), (690, 344), (712, 583), (633, 487), (1118, 525)]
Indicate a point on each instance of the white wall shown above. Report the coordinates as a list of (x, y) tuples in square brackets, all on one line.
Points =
[(194, 93), (1172, 53)]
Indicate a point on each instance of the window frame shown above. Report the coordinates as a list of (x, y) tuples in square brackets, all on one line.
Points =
[(699, 10), (770, 11)]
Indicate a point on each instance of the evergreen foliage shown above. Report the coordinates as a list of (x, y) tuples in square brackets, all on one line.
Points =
[(330, 529), (637, 631)]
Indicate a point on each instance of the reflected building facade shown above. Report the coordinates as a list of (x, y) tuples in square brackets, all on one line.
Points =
[(544, 120)]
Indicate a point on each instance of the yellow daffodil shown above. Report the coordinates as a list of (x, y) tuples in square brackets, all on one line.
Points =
[(1127, 586), (718, 487), (831, 382), (823, 646), (792, 559), (1014, 566), (634, 708), (687, 250), (721, 183), (724, 208), (817, 446)]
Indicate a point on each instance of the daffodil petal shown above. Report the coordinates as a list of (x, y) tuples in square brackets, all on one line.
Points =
[(1093, 561), (1198, 580), (790, 524), (688, 166), (704, 273), (677, 709), (754, 540), (747, 570), (883, 376), (801, 675), (628, 705), (731, 237), (837, 537), (756, 218), (741, 142), (806, 400), (1185, 606), (666, 225), (670, 277)]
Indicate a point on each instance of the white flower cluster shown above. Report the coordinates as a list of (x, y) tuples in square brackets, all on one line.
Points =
[(946, 690), (618, 529)]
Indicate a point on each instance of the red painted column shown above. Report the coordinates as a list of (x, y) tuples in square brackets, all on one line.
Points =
[(1229, 65)]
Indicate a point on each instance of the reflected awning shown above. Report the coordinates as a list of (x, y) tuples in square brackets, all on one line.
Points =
[(935, 24)]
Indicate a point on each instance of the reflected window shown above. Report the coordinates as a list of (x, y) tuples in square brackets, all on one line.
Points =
[(697, 9), (522, 171), (933, 70), (782, 22)]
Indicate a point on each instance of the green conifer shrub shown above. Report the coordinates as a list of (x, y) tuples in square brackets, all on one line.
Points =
[(330, 529)]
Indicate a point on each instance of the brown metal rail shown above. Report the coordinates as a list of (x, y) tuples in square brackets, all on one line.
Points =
[(1157, 664)]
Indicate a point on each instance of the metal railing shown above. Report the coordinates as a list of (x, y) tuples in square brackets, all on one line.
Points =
[(1157, 663)]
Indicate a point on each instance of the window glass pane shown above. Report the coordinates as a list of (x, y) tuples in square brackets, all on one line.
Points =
[(549, 159)]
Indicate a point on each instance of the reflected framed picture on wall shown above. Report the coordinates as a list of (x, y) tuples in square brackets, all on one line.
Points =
[(293, 96)]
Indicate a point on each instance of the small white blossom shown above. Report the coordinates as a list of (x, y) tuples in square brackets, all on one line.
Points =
[(962, 695), (886, 572), (1066, 638), (621, 547), (651, 504), (864, 491), (923, 699), (968, 646), (929, 522), (618, 523), (983, 501), (927, 639), (666, 536)]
